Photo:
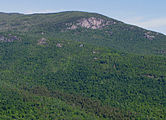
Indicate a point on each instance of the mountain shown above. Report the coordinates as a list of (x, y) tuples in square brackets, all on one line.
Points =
[(78, 65), (91, 28)]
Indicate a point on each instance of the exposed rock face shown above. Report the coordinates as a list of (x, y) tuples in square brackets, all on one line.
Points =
[(94, 52), (9, 38), (149, 76), (59, 45), (42, 41), (149, 35), (161, 51), (2, 38), (81, 45), (92, 23), (95, 58)]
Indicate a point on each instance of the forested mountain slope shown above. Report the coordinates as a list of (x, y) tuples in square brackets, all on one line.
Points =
[(76, 65), (88, 27)]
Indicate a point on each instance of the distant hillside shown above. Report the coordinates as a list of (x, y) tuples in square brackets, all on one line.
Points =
[(92, 28)]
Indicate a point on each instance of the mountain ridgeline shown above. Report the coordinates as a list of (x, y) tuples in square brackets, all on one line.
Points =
[(79, 65), (91, 28)]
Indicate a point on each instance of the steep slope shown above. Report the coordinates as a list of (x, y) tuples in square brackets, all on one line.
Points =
[(64, 66), (100, 81)]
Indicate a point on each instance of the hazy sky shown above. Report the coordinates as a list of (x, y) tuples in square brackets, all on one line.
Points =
[(150, 14)]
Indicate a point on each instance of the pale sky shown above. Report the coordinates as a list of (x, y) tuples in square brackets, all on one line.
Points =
[(149, 14)]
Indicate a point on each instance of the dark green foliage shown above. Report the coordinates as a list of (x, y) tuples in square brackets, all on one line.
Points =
[(79, 74), (17, 104)]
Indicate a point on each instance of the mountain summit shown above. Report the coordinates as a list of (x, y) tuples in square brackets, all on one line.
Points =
[(92, 28)]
